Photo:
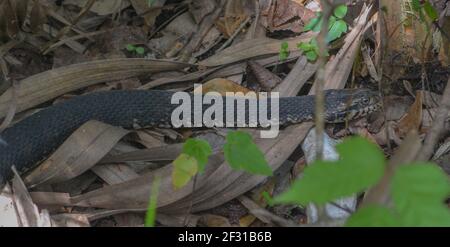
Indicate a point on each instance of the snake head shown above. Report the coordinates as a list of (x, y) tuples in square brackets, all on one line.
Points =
[(351, 104)]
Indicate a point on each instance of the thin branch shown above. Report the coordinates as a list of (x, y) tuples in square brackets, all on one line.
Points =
[(438, 127), (320, 79)]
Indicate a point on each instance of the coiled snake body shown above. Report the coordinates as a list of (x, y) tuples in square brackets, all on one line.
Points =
[(37, 136)]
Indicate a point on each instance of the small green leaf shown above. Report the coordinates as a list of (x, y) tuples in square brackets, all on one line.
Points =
[(336, 31), (200, 150), (373, 216), (140, 50), (242, 153), (324, 181), (131, 47), (150, 216), (431, 11), (284, 46), (313, 24), (303, 46), (311, 56), (415, 5), (331, 21), (184, 168), (340, 11)]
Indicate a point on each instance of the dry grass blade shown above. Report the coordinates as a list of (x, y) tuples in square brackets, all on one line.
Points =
[(47, 85), (248, 49), (82, 150)]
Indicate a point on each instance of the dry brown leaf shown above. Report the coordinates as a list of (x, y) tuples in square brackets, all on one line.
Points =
[(264, 77), (211, 220), (82, 150), (234, 16), (48, 85), (151, 12), (70, 220), (413, 119), (115, 174), (221, 86), (288, 15), (246, 220)]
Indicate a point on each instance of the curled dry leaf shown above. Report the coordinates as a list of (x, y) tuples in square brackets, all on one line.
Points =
[(412, 119), (264, 77), (82, 150)]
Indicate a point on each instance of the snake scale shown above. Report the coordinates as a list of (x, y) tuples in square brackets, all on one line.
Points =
[(34, 138)]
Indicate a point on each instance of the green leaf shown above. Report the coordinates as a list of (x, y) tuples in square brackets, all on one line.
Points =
[(314, 24), (430, 11), (373, 216), (242, 153), (417, 184), (150, 216), (200, 150), (184, 168), (416, 5), (304, 46), (336, 31), (140, 50), (311, 56), (324, 181), (340, 11), (284, 46), (431, 215), (331, 22), (131, 47)]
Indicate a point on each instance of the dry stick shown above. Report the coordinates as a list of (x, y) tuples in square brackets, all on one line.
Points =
[(73, 38), (438, 126), (66, 29), (320, 79)]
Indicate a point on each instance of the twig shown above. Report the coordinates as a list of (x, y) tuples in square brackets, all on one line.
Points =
[(320, 78), (73, 38), (438, 126)]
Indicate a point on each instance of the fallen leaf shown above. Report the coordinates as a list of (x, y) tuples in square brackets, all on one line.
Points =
[(82, 150), (221, 86), (413, 119)]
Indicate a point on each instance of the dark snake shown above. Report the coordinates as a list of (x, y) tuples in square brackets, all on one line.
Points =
[(34, 138)]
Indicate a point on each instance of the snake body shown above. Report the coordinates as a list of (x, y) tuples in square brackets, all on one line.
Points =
[(34, 138)]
